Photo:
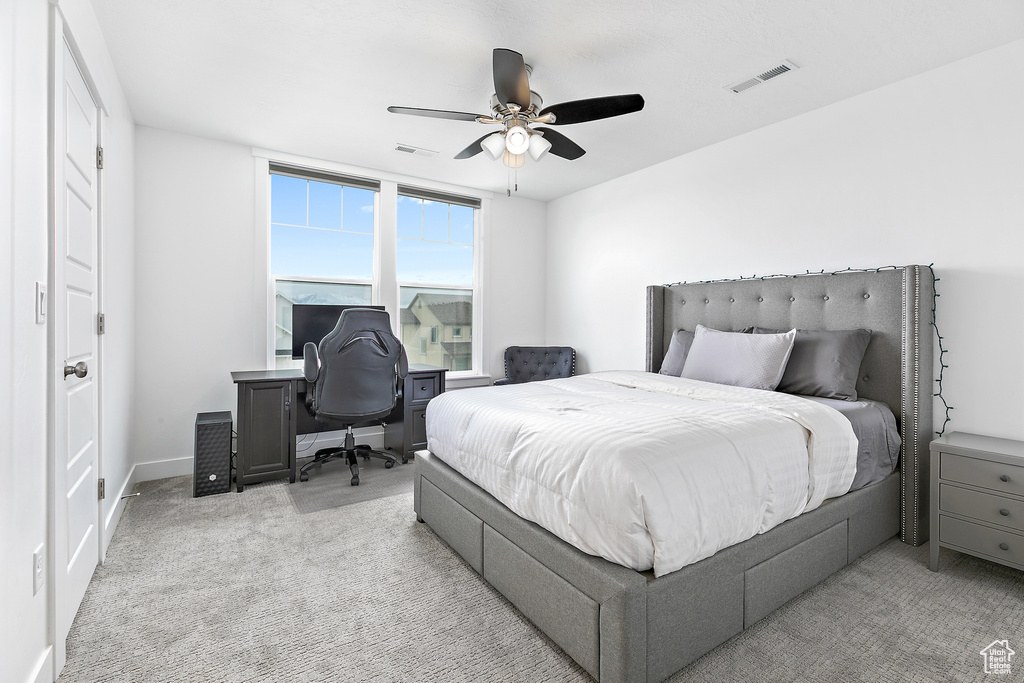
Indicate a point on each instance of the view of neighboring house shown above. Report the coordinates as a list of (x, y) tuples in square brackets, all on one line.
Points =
[(437, 330)]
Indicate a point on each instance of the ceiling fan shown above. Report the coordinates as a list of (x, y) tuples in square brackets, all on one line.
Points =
[(517, 108)]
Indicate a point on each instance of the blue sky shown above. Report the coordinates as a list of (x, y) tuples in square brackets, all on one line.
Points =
[(325, 230)]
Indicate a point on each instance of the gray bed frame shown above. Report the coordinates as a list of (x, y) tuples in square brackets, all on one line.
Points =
[(624, 625)]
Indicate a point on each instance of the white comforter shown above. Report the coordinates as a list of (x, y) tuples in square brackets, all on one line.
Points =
[(645, 470)]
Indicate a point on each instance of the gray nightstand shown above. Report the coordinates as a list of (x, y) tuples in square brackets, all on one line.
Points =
[(977, 498)]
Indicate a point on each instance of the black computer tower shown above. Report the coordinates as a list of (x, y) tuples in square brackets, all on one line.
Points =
[(212, 471)]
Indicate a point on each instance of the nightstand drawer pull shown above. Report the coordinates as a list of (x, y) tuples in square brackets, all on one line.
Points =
[(1004, 512), (1003, 477), (1004, 546)]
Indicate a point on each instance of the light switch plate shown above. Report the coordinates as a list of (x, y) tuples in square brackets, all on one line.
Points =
[(40, 303), (38, 569)]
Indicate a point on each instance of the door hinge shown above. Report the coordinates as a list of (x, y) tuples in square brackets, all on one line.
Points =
[(101, 324), (99, 157), (102, 488)]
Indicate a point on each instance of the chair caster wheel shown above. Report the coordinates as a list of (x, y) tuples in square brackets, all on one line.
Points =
[(303, 477), (389, 464), (405, 460), (355, 481), (366, 458)]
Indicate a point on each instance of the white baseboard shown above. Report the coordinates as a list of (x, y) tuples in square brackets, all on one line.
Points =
[(307, 445), (44, 669), (160, 469)]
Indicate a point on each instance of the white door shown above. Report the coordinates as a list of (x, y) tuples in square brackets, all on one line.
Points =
[(75, 394)]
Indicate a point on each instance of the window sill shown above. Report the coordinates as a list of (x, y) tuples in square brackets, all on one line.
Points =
[(466, 381)]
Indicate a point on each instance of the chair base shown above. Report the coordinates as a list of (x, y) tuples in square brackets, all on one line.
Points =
[(349, 451)]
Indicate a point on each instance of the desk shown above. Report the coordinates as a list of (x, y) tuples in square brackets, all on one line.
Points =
[(272, 412)]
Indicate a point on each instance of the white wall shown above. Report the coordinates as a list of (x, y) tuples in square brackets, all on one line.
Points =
[(926, 170), (26, 653), (514, 280), (195, 255)]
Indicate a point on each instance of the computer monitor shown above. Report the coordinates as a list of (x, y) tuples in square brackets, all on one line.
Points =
[(312, 322)]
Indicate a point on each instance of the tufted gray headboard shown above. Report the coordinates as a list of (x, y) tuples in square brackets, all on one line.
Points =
[(895, 304)]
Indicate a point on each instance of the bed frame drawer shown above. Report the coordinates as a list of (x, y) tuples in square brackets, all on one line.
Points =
[(565, 614), (776, 581), (457, 526)]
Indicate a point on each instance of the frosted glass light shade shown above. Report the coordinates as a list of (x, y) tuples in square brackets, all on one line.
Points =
[(538, 146), (517, 140), (493, 145), (514, 160)]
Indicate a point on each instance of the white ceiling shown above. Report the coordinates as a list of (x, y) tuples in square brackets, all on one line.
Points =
[(314, 77)]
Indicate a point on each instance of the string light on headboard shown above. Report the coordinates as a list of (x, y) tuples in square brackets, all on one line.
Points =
[(935, 296), (942, 364)]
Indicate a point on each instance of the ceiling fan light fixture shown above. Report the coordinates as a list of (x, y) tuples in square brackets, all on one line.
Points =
[(517, 140), (538, 146), (493, 145), (513, 160)]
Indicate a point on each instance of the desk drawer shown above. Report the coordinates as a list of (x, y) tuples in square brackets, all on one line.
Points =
[(984, 473), (1002, 546), (425, 387), (984, 506)]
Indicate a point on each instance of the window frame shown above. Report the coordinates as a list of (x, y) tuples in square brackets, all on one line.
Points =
[(477, 355), (342, 180), (385, 287)]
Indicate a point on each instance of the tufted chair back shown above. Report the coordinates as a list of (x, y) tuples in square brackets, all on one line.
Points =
[(529, 363)]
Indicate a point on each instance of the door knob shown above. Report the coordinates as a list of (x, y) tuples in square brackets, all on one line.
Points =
[(79, 369)]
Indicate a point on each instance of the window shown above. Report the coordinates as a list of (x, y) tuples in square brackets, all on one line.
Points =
[(321, 244), (331, 243), (435, 266)]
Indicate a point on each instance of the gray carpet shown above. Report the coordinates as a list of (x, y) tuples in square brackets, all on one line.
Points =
[(312, 582)]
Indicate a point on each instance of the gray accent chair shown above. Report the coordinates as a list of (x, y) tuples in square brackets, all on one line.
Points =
[(531, 363), (352, 377)]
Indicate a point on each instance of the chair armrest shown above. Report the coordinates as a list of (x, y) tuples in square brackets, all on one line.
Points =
[(310, 362)]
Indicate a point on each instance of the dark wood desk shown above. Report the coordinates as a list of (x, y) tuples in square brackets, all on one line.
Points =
[(272, 412)]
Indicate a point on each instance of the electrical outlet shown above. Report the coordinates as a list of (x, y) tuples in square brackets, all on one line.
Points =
[(38, 569)]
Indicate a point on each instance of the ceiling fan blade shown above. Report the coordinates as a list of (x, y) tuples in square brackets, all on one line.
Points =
[(435, 113), (511, 82), (580, 111), (473, 149), (562, 146)]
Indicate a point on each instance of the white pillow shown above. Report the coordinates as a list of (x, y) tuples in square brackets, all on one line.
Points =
[(756, 361)]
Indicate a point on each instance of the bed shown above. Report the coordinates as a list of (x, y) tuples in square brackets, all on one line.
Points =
[(621, 624)]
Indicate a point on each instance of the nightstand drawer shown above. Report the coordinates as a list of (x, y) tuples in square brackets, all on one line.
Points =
[(984, 473), (1001, 546), (983, 506), (425, 388)]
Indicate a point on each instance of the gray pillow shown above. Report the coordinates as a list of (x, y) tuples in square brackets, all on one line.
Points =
[(738, 359), (824, 363), (675, 357)]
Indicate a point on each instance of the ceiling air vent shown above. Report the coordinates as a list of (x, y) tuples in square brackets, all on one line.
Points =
[(418, 151), (746, 84)]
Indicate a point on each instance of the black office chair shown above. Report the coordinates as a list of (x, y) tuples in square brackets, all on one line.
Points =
[(531, 363), (353, 376)]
